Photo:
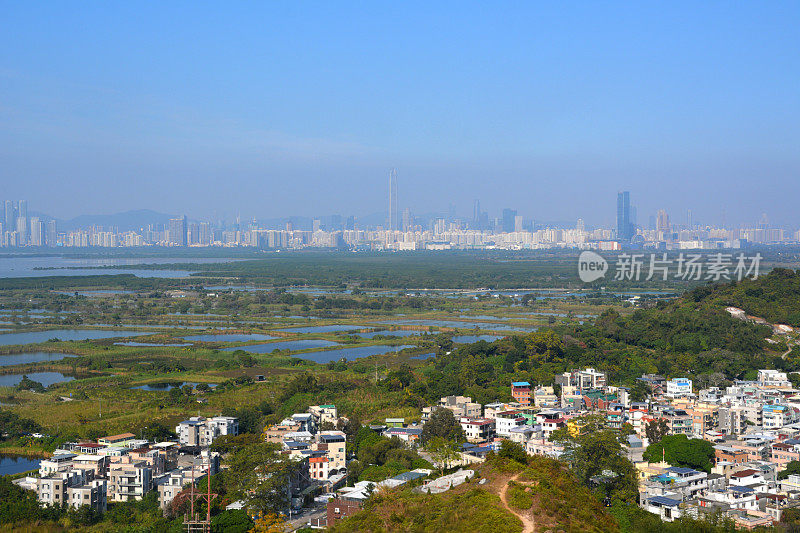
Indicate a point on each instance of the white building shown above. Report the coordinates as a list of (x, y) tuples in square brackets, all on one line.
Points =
[(199, 431), (679, 388), (507, 420), (773, 378)]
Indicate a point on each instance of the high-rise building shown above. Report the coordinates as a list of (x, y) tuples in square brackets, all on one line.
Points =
[(51, 233), (518, 223), (22, 230), (624, 223), (406, 219), (177, 231), (580, 226), (37, 232), (193, 236), (393, 212), (10, 216), (662, 222), (509, 216), (205, 234)]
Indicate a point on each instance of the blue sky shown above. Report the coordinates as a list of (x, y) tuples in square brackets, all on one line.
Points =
[(272, 109)]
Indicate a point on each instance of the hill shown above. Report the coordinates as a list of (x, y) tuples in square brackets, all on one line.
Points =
[(540, 496), (774, 297)]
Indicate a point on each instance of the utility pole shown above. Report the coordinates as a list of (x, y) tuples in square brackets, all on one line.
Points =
[(192, 521)]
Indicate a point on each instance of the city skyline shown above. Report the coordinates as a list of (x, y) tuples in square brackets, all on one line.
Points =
[(550, 105), (431, 232)]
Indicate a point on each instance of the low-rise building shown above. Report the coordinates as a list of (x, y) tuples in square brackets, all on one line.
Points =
[(478, 429), (506, 420), (679, 388), (521, 392), (129, 481)]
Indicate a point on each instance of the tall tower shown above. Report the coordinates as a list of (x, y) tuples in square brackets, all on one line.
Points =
[(624, 225), (393, 210)]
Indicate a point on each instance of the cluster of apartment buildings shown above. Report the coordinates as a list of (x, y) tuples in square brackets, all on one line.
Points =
[(119, 468), (754, 427), (322, 452)]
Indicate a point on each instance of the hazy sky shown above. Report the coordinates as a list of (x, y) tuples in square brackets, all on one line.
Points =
[(279, 108)]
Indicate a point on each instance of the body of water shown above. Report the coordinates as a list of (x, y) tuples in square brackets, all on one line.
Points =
[(23, 267), (484, 317), (45, 378), (65, 335), (323, 329), (469, 339), (32, 357), (233, 337), (151, 344), (462, 325), (350, 354), (14, 464), (304, 344), (168, 386), (389, 333)]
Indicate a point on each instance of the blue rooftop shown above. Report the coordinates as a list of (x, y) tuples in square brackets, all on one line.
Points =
[(742, 490), (682, 470), (521, 384), (663, 500)]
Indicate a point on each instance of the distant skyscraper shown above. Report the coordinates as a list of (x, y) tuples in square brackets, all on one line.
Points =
[(624, 224), (10, 216), (518, 223), (205, 234), (393, 211), (22, 230), (580, 226), (476, 212), (177, 231), (509, 216), (37, 232), (193, 234), (689, 221), (406, 219), (51, 234), (662, 222)]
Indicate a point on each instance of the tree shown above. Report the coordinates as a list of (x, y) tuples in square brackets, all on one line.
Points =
[(260, 476), (269, 523), (443, 452), (514, 451), (680, 450), (792, 468), (596, 459), (233, 521), (442, 423), (656, 430), (639, 392)]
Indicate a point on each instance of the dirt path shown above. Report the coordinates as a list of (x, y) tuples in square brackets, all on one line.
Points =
[(528, 525)]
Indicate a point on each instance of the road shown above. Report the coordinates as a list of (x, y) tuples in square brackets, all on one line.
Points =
[(300, 521)]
